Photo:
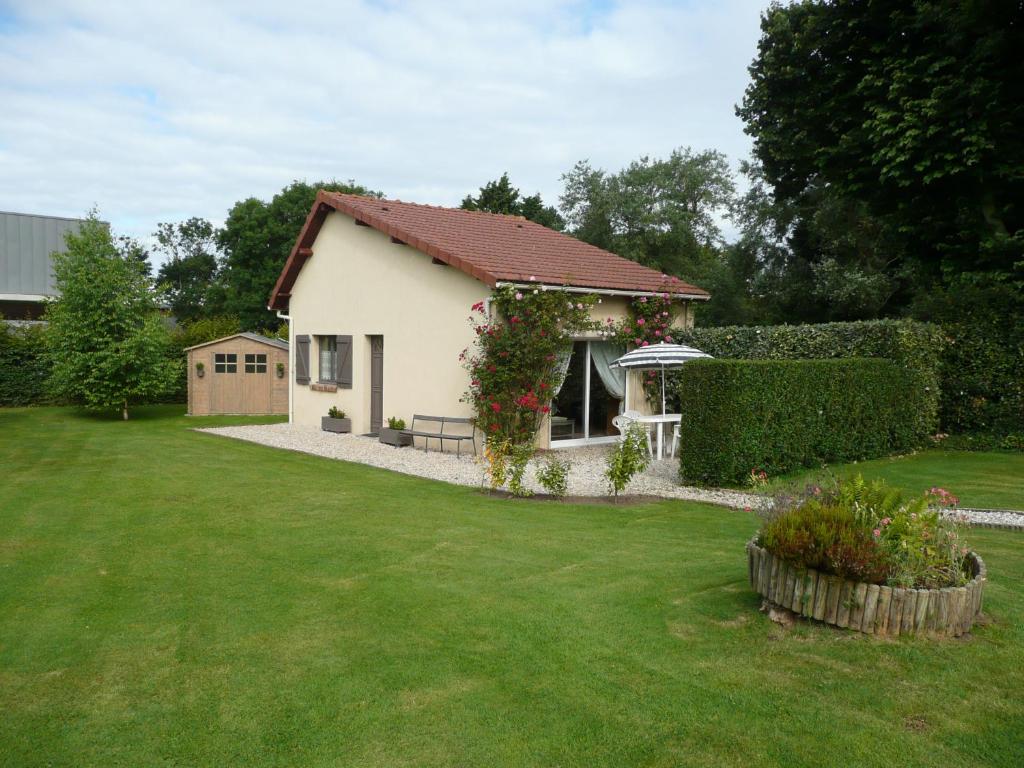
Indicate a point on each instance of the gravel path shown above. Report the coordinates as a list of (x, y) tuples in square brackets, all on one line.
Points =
[(990, 518), (585, 479)]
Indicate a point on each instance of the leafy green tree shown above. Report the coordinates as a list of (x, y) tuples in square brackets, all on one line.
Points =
[(106, 338), (664, 214), (256, 240), (906, 115), (501, 197), (820, 258), (187, 279)]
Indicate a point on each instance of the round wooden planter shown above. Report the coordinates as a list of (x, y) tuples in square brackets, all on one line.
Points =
[(869, 608)]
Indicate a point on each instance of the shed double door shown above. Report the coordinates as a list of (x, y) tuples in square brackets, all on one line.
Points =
[(376, 384), (238, 391)]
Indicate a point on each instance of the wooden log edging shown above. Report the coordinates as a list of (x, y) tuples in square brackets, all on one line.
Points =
[(868, 608)]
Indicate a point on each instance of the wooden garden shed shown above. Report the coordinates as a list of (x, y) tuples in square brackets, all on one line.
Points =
[(244, 373)]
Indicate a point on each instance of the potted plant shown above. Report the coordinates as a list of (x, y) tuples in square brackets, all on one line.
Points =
[(392, 433), (200, 369), (335, 421), (280, 370)]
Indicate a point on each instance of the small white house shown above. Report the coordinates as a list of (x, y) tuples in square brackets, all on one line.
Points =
[(378, 294)]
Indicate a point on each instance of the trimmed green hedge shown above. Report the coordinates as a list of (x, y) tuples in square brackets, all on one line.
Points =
[(908, 343), (780, 415), (24, 366)]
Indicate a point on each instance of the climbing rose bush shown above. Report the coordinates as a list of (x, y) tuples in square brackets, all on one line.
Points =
[(650, 322), (514, 364)]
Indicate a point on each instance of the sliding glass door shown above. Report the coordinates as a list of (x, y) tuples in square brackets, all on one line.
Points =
[(590, 397)]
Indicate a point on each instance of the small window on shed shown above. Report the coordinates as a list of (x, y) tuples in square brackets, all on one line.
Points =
[(255, 363), (225, 363)]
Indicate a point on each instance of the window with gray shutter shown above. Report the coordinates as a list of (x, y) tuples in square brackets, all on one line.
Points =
[(344, 345), (327, 372), (302, 359)]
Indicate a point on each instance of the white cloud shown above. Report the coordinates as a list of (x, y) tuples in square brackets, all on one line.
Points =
[(159, 111)]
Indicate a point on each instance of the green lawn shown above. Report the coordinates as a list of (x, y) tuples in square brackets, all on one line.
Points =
[(173, 598), (988, 480)]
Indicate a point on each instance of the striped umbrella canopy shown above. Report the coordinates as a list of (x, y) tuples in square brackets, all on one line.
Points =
[(655, 356)]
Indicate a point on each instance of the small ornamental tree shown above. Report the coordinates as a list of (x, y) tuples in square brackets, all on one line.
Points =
[(106, 339), (518, 359)]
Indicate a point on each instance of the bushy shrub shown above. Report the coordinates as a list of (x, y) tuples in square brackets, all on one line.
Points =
[(395, 423), (519, 456), (827, 538), (907, 343), (24, 365), (629, 458), (554, 475), (334, 412), (982, 363), (780, 415), (869, 532)]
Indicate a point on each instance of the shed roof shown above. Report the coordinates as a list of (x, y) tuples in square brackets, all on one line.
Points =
[(245, 334), (491, 247)]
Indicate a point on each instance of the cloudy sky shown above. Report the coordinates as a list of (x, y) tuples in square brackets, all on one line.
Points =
[(160, 111)]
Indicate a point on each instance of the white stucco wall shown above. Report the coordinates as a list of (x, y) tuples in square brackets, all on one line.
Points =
[(359, 283)]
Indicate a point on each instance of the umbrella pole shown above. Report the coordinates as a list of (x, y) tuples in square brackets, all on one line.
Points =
[(662, 389)]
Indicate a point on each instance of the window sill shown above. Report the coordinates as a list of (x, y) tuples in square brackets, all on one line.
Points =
[(322, 386)]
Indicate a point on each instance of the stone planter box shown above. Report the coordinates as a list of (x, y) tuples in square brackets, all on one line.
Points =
[(394, 437), (327, 424), (869, 608)]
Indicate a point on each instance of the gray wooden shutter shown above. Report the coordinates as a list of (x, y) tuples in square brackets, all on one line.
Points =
[(302, 359), (344, 372)]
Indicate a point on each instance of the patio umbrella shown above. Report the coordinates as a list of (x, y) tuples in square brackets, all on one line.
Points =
[(655, 356)]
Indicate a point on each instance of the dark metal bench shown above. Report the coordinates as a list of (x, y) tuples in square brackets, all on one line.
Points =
[(440, 434)]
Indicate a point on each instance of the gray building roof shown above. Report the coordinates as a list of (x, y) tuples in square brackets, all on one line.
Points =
[(26, 242)]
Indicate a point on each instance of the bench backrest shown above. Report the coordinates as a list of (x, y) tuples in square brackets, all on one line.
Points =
[(442, 420)]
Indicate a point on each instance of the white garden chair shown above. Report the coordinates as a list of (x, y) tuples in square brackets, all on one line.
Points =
[(622, 422), (677, 434)]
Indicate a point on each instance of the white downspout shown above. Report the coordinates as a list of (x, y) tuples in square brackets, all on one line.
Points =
[(291, 365)]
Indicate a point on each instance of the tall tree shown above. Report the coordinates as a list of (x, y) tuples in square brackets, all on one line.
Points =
[(662, 213), (501, 197), (187, 279), (107, 341), (905, 114), (256, 240)]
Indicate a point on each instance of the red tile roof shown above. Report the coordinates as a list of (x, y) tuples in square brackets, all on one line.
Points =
[(491, 247)]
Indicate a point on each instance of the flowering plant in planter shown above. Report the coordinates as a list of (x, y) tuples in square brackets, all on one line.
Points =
[(518, 360), (868, 532)]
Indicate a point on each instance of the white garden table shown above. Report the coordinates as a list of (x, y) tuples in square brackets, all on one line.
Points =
[(661, 419)]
